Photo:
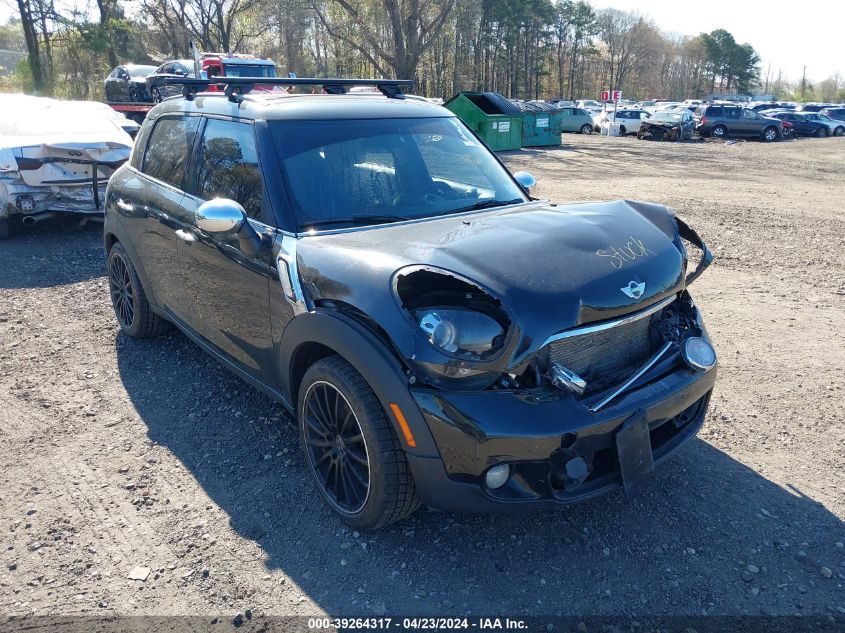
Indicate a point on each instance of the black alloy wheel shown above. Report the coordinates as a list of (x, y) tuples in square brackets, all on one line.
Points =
[(352, 450), (122, 291), (131, 308), (335, 447)]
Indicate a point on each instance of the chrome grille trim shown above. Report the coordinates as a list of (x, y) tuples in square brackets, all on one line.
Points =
[(622, 388), (606, 325)]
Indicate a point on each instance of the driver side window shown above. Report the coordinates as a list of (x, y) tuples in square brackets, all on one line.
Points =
[(228, 165)]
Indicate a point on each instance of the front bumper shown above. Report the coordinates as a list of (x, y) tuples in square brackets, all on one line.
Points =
[(537, 433)]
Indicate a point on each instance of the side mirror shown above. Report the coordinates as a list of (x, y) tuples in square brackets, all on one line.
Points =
[(525, 179), (220, 215)]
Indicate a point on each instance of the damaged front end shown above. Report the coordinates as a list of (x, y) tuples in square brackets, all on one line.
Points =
[(522, 410), (655, 131)]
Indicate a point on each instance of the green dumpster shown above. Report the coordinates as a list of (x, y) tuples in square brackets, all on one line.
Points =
[(495, 119), (541, 123)]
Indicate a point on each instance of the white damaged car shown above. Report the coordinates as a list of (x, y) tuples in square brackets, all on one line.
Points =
[(55, 159)]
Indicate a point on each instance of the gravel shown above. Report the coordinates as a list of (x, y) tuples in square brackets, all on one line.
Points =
[(149, 452)]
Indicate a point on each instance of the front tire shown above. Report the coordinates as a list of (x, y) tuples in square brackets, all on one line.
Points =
[(839, 131), (352, 451), (156, 95), (133, 311), (770, 134), (586, 129), (4, 229), (822, 132)]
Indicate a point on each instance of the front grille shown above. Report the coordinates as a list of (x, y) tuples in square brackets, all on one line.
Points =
[(601, 357)]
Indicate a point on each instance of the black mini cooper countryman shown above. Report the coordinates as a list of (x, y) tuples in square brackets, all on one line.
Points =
[(441, 336)]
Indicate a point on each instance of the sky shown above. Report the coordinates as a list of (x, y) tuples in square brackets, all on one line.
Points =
[(788, 35)]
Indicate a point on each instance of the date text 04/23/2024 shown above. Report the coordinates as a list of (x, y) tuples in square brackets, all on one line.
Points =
[(417, 623)]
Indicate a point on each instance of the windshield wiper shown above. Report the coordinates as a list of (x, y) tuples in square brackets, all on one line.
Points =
[(485, 204), (356, 220)]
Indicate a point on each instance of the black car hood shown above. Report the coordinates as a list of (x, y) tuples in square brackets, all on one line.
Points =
[(552, 266), (663, 124)]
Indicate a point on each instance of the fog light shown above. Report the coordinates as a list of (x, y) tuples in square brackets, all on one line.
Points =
[(497, 476), (698, 353)]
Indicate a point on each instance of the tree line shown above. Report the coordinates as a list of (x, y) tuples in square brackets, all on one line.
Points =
[(521, 48)]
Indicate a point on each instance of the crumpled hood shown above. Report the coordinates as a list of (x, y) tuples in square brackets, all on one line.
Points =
[(553, 266)]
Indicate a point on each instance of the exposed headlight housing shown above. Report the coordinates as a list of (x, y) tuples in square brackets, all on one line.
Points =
[(461, 329), (465, 333)]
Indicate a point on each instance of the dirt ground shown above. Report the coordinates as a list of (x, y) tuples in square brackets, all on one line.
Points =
[(119, 454)]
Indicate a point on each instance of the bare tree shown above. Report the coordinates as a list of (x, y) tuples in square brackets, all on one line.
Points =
[(414, 26)]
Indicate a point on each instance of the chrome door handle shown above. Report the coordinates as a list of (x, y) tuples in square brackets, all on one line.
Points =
[(186, 236), (123, 205)]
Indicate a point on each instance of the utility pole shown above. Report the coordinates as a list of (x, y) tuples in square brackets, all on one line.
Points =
[(803, 82)]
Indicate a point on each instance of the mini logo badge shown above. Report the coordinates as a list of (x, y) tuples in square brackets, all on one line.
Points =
[(634, 290)]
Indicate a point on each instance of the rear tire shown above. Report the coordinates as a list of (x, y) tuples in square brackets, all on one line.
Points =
[(586, 129), (131, 308), (4, 229), (822, 132), (351, 449), (720, 131), (156, 95)]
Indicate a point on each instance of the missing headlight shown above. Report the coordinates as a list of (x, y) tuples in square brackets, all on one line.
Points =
[(454, 313), (463, 332), (463, 325)]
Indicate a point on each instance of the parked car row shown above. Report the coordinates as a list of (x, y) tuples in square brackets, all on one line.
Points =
[(135, 83)]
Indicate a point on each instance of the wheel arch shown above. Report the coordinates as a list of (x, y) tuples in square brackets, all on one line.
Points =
[(109, 240), (315, 335)]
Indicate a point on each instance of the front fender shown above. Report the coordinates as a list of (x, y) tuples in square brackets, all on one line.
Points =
[(368, 355)]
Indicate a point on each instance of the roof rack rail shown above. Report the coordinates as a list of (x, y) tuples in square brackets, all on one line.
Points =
[(234, 87)]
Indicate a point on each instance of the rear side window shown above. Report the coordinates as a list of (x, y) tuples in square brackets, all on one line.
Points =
[(168, 150), (227, 166), (714, 111), (732, 113)]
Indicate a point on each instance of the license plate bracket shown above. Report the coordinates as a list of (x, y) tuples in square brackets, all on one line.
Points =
[(633, 448)]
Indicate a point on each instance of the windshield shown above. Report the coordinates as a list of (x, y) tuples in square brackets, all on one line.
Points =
[(344, 172), (249, 70), (140, 71), (666, 116)]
